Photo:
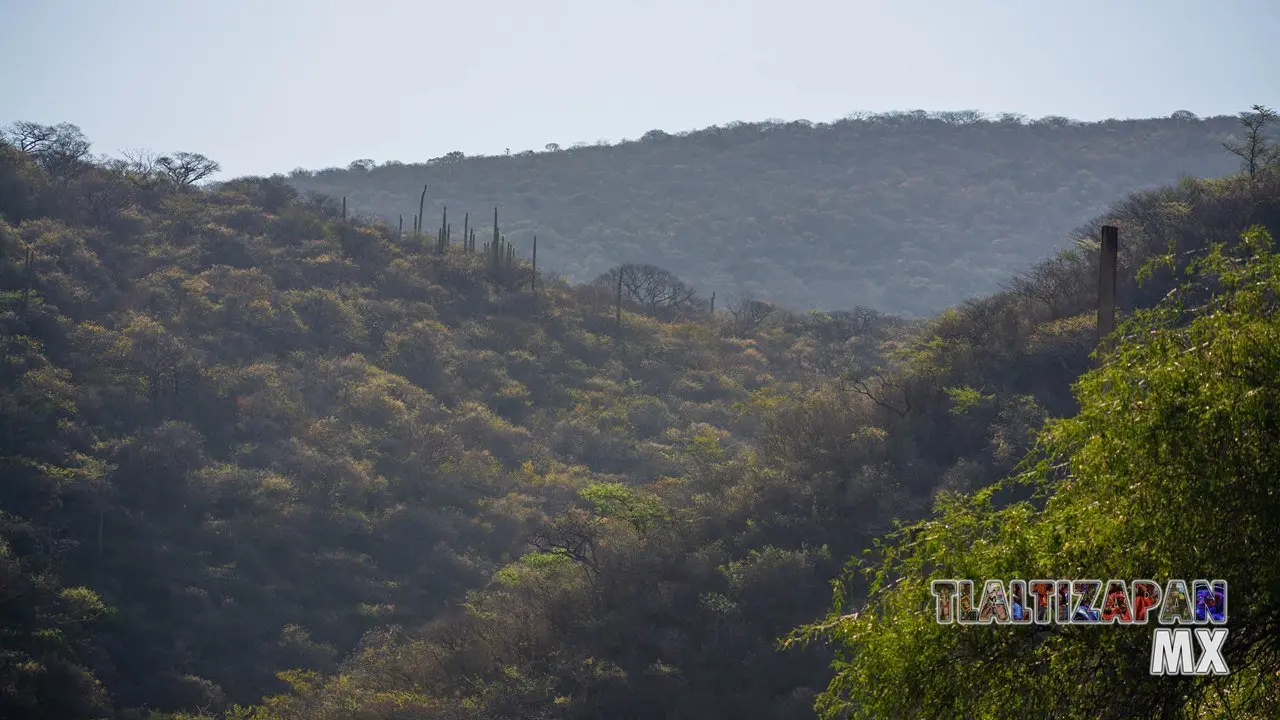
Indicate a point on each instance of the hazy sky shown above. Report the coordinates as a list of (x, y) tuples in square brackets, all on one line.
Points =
[(269, 85)]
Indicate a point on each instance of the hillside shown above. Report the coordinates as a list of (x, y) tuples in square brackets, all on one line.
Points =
[(241, 431), (907, 213), (259, 453)]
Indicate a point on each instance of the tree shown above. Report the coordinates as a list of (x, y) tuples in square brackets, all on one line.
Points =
[(1056, 283), (141, 167), (61, 149), (186, 169), (961, 117), (29, 136), (1167, 465), (748, 313), (552, 147), (575, 535), (657, 291), (1256, 151)]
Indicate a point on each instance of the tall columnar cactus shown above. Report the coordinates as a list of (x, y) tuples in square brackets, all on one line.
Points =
[(466, 224), (400, 229), (421, 208), (495, 245), (344, 207), (442, 237), (713, 304), (444, 231), (533, 279)]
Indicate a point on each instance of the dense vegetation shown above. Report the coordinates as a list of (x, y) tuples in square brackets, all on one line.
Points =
[(259, 452), (241, 431), (908, 213), (1168, 470)]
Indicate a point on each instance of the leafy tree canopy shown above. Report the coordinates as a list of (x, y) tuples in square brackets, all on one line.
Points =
[(1167, 471)]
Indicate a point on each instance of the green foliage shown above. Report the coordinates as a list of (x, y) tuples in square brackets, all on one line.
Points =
[(242, 436), (965, 398), (617, 501), (1166, 471), (241, 431)]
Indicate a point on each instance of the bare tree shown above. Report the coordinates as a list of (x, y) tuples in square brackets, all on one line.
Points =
[(141, 160), (657, 291), (748, 313), (1055, 283), (840, 325), (886, 391), (141, 167), (573, 535), (28, 136), (61, 149), (961, 117), (1256, 151), (185, 169)]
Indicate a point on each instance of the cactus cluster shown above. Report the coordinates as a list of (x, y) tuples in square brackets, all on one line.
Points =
[(500, 254), (445, 233)]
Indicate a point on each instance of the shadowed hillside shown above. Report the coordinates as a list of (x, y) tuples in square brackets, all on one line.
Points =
[(903, 212), (258, 451)]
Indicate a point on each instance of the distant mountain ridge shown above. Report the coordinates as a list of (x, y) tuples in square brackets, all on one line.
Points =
[(905, 212)]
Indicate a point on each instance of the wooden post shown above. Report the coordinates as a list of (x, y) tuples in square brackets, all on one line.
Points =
[(1107, 286)]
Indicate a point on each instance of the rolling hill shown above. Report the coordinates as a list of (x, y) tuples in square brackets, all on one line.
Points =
[(907, 213), (257, 451)]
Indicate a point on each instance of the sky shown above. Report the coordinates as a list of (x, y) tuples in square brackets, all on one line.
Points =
[(266, 86)]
